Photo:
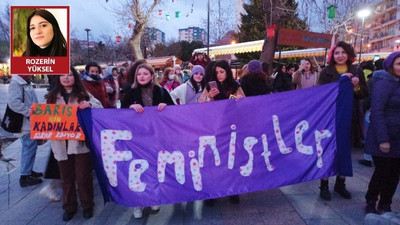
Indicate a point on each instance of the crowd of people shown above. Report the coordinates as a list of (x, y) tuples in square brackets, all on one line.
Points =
[(376, 101)]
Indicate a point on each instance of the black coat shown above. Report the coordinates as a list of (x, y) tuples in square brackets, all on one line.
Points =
[(253, 86), (134, 96)]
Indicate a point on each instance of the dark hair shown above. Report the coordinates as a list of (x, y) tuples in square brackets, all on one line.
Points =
[(131, 74), (167, 72), (58, 46), (347, 48), (379, 64), (279, 68), (92, 64), (369, 65), (194, 83), (78, 90), (289, 66), (209, 71), (256, 76), (229, 84)]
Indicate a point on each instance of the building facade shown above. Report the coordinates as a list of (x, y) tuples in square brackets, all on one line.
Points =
[(154, 36), (193, 34), (383, 31)]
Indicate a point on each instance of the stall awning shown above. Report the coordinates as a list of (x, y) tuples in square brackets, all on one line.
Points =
[(256, 46), (163, 62)]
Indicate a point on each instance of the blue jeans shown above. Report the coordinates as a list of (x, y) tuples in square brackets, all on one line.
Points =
[(28, 154)]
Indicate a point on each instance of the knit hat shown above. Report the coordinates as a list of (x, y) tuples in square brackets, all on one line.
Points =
[(387, 64), (254, 66), (122, 69), (198, 69)]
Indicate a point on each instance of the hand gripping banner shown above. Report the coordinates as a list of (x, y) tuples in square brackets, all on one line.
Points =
[(215, 149)]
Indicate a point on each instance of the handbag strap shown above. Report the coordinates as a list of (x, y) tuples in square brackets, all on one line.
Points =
[(23, 93)]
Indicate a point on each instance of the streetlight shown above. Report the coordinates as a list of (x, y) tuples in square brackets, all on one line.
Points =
[(208, 27), (362, 14), (87, 32)]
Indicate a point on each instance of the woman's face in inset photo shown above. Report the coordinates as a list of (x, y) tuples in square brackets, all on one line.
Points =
[(41, 31)]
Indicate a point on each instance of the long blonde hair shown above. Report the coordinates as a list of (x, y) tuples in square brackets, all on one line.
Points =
[(150, 69)]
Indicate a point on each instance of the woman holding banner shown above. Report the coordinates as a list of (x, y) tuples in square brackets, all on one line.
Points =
[(145, 92), (383, 139), (73, 156), (224, 87), (44, 35), (340, 64)]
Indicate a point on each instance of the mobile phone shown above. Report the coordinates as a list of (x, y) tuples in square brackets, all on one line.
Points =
[(302, 62), (213, 84)]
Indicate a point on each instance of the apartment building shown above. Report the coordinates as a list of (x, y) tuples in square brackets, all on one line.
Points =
[(382, 28), (153, 36), (193, 34)]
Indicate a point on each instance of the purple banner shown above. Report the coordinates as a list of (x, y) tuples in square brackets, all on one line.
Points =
[(215, 149)]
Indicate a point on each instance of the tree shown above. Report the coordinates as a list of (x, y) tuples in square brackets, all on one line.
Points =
[(188, 48), (5, 24), (252, 27), (317, 13), (282, 13), (220, 19), (140, 12), (160, 50), (5, 34)]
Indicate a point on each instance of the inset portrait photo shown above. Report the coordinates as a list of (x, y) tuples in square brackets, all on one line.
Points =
[(40, 40)]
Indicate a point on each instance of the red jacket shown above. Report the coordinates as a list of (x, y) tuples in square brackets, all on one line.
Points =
[(98, 90)]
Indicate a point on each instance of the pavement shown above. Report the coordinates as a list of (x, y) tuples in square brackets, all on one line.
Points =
[(294, 204)]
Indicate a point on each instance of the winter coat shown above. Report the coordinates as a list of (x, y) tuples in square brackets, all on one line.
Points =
[(329, 75), (385, 118), (96, 88), (134, 96), (21, 103), (185, 93), (283, 82), (112, 87), (59, 147), (302, 80), (206, 59), (253, 86)]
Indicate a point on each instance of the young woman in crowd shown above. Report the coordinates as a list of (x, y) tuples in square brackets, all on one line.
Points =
[(209, 71), (226, 87), (145, 92), (122, 80), (131, 75), (383, 137), (283, 81), (41, 23), (254, 81), (340, 64), (178, 73), (73, 156), (190, 91), (111, 84), (93, 82), (170, 80), (306, 76), (277, 76)]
